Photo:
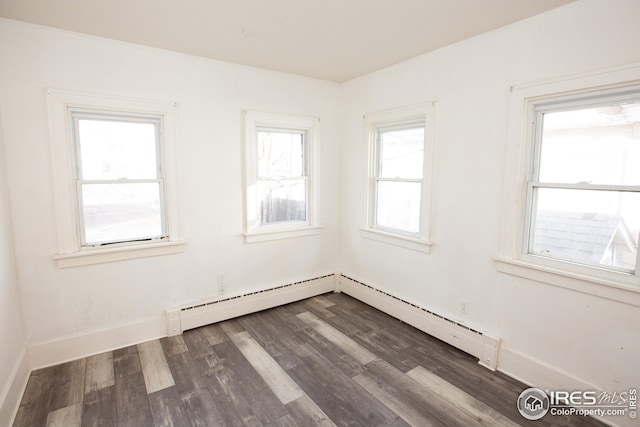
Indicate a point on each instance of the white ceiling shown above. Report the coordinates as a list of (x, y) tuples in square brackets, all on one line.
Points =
[(329, 39)]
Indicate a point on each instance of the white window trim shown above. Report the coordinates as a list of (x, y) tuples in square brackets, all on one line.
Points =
[(254, 231), (70, 253), (420, 241), (512, 258)]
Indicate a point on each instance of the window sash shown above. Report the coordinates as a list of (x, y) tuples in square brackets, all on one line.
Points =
[(578, 259), (79, 114), (377, 222), (265, 222), (82, 212), (382, 129), (304, 160)]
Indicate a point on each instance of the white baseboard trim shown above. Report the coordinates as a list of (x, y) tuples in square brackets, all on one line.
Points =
[(482, 345), (75, 347), (536, 373), (14, 389)]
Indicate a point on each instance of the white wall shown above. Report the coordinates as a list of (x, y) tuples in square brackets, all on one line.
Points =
[(551, 336), (13, 364), (90, 308)]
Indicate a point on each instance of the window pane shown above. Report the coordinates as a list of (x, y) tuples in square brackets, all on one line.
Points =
[(280, 154), (402, 153), (121, 212), (114, 150), (398, 205), (594, 145), (591, 227), (283, 200)]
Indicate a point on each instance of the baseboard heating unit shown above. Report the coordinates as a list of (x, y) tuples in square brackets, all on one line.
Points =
[(180, 319), (469, 340), (479, 344)]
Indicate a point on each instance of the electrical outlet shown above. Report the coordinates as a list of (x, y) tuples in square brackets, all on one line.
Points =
[(220, 289), (220, 278)]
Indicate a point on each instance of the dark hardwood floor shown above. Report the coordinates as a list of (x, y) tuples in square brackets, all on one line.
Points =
[(328, 360)]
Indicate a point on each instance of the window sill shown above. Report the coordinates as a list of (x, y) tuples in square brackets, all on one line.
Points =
[(411, 243), (281, 233), (613, 286), (99, 256)]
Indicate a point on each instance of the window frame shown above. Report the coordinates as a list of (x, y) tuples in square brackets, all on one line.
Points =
[(374, 124), (75, 115), (511, 257), (254, 122), (377, 178), (551, 104), (304, 176), (71, 251)]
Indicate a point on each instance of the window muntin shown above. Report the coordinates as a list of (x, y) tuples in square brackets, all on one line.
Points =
[(119, 182), (398, 175), (282, 175), (584, 187)]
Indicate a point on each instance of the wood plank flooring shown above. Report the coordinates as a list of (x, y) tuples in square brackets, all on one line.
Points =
[(326, 361)]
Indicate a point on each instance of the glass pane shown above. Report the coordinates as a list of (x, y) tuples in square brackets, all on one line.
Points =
[(121, 212), (398, 205), (283, 200), (594, 145), (114, 150), (591, 227), (402, 153), (280, 154)]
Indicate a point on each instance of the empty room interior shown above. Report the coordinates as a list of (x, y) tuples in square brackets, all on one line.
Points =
[(319, 213)]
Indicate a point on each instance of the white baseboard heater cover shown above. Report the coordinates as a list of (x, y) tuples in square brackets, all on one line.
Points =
[(180, 319), (476, 343), (479, 344)]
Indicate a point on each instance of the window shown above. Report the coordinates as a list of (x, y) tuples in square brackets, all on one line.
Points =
[(571, 202), (282, 176), (584, 186), (113, 177), (281, 184), (400, 152), (120, 188), (398, 176)]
